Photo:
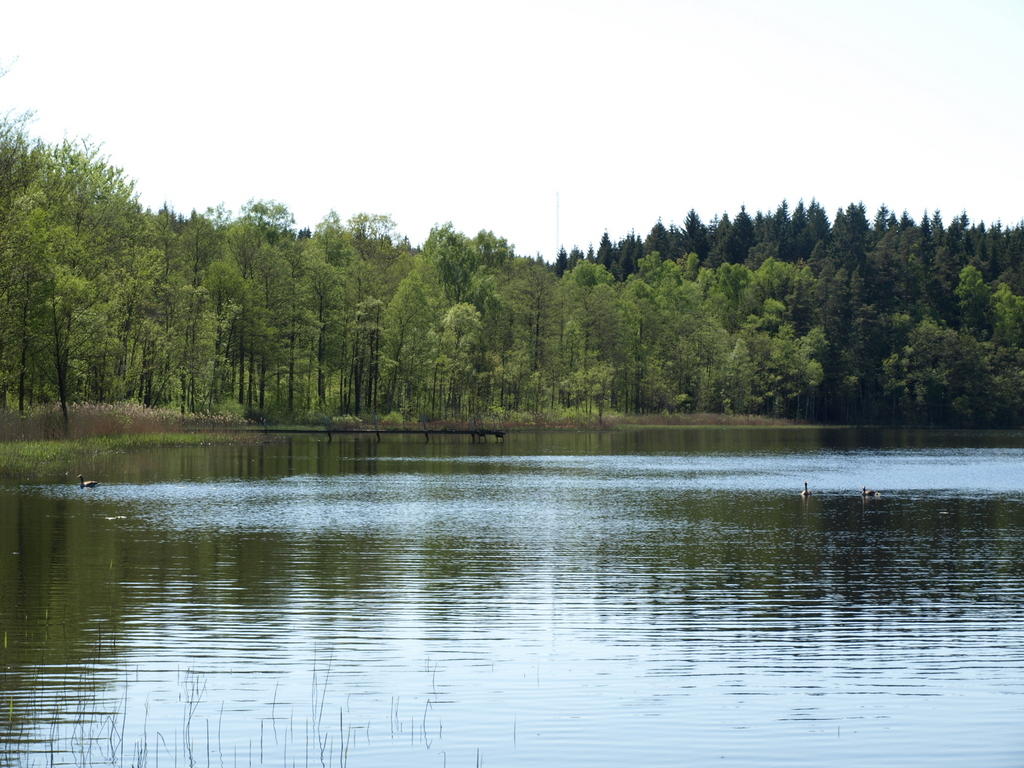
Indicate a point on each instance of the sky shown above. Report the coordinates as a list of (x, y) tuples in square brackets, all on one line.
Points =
[(547, 122)]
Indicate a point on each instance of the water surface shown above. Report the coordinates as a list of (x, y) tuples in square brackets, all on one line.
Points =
[(659, 597)]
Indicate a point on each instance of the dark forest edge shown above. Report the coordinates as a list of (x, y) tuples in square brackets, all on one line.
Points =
[(788, 314)]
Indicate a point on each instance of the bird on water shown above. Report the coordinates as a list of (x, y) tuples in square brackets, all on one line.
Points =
[(805, 492), (83, 483), (869, 492)]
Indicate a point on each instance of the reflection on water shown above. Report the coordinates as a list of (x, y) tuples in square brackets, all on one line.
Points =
[(661, 597)]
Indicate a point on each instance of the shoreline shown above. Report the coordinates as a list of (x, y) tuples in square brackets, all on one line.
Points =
[(39, 458), (533, 425), (33, 459)]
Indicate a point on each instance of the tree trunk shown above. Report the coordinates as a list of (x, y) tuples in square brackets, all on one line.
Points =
[(291, 372), (60, 359), (241, 368)]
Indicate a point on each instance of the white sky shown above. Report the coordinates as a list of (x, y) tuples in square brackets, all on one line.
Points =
[(485, 113)]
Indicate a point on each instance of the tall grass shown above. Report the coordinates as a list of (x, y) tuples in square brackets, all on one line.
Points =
[(86, 420), (696, 420), (36, 445), (574, 419), (510, 421), (90, 722), (37, 459)]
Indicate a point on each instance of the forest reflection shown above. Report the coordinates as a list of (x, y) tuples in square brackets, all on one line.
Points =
[(685, 547)]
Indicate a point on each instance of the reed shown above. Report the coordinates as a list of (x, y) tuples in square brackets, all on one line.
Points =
[(35, 445), (86, 420), (39, 459), (86, 718), (569, 420), (696, 420)]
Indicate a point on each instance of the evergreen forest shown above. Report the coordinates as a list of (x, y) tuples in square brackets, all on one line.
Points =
[(849, 316)]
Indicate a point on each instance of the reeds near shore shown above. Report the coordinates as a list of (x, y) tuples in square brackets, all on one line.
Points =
[(628, 421), (89, 722), (87, 420), (540, 421), (123, 419), (33, 459), (35, 444), (696, 420)]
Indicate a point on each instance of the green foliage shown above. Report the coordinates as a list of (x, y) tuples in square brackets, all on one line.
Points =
[(1008, 314), (454, 258), (974, 297), (872, 320)]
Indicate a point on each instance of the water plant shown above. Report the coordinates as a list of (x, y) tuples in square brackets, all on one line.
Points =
[(92, 722), (33, 445)]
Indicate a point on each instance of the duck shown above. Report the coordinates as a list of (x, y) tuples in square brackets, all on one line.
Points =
[(869, 492), (805, 492), (83, 483)]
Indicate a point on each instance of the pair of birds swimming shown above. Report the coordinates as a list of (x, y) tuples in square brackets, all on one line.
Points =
[(863, 492)]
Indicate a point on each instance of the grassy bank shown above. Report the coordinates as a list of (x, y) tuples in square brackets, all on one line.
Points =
[(36, 444), (86, 420), (33, 459), (632, 421), (529, 421), (545, 421)]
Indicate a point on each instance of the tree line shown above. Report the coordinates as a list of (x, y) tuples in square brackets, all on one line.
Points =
[(791, 313)]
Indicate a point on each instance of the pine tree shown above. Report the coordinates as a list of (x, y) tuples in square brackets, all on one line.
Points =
[(696, 236), (605, 252), (743, 236), (657, 241), (561, 262)]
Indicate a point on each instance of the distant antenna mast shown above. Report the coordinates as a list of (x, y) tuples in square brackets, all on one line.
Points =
[(558, 223)]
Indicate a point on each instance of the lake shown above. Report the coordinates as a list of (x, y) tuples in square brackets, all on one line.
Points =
[(657, 597)]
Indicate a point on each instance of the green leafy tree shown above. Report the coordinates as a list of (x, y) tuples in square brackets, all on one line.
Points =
[(455, 260), (408, 341), (974, 297), (1008, 314), (88, 220), (459, 352)]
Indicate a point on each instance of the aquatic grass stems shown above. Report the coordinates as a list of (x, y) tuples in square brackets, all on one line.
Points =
[(92, 723)]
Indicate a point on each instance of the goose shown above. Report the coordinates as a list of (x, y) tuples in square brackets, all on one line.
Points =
[(805, 493), (82, 483), (869, 492)]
